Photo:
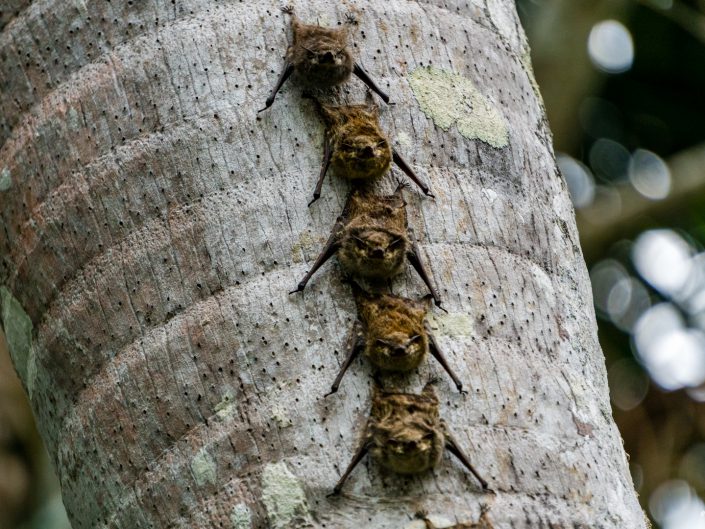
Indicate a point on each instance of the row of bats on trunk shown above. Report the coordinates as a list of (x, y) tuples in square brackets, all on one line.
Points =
[(373, 242)]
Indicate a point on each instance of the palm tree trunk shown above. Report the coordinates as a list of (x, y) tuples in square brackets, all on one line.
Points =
[(153, 225)]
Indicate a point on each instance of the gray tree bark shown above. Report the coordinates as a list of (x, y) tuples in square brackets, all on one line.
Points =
[(152, 226)]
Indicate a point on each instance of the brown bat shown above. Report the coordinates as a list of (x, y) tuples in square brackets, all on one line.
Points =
[(372, 239), (355, 145), (482, 523), (321, 58), (392, 334), (406, 435)]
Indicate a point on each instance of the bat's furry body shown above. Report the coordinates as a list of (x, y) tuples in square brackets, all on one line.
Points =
[(321, 58), (406, 435), (371, 238), (320, 54), (405, 432), (356, 147), (391, 332)]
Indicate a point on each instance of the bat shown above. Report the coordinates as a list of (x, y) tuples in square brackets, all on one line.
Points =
[(321, 57), (355, 145), (406, 435), (372, 240), (392, 334)]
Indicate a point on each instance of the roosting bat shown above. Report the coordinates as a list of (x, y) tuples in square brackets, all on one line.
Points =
[(355, 145), (372, 239), (392, 334), (321, 58), (406, 435)]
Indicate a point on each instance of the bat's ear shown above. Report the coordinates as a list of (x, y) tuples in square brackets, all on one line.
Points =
[(429, 391), (427, 301), (372, 105)]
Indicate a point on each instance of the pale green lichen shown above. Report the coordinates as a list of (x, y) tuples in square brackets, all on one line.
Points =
[(529, 69), (240, 517), (452, 323), (448, 98), (203, 468), (226, 407), (5, 179), (404, 139), (73, 119), (18, 327), (281, 417), (284, 498), (304, 243)]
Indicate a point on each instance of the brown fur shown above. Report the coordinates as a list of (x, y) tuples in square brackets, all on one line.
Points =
[(360, 150), (405, 432), (374, 239), (320, 54), (395, 335)]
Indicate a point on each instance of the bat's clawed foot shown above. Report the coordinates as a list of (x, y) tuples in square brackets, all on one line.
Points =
[(267, 104), (288, 9), (299, 288), (351, 19)]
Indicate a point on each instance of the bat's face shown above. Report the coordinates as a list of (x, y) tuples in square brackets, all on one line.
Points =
[(373, 253), (397, 351), (362, 156), (321, 55), (407, 443)]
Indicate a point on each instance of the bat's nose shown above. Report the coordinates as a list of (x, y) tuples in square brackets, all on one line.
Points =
[(378, 253), (399, 351), (367, 152), (326, 57)]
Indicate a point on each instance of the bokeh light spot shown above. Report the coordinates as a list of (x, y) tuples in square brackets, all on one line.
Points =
[(628, 384), (663, 259), (673, 355), (649, 174), (674, 505), (609, 160), (581, 184), (610, 46)]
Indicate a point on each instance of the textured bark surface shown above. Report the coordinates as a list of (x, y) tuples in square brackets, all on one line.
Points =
[(152, 226)]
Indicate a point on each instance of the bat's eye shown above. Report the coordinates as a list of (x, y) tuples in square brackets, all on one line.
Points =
[(396, 243), (360, 243), (382, 144)]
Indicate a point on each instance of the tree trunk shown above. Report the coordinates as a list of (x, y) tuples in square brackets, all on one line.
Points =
[(153, 225)]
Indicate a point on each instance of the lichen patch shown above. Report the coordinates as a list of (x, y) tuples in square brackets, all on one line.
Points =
[(240, 517), (452, 323), (449, 98), (5, 179), (284, 498), (203, 468), (226, 407), (18, 327)]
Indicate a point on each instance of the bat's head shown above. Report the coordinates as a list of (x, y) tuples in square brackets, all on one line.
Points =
[(407, 436), (373, 252), (363, 155), (321, 54), (397, 351)]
